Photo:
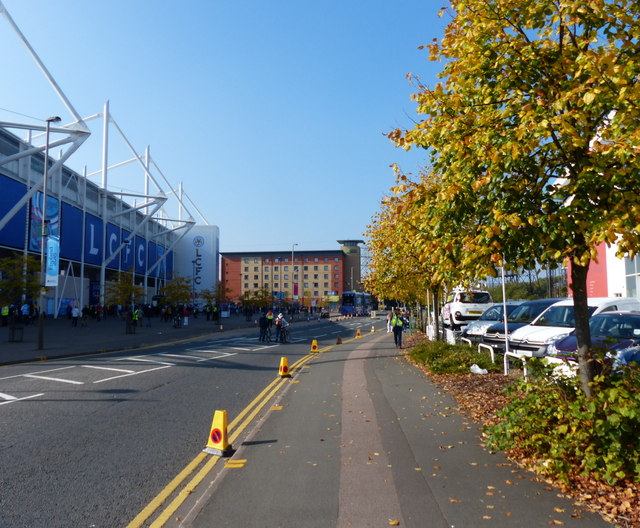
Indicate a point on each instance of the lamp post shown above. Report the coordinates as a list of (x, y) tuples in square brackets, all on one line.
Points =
[(43, 239), (293, 284)]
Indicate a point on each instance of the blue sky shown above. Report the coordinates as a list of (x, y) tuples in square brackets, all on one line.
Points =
[(271, 114)]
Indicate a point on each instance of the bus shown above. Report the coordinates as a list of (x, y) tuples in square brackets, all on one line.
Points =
[(355, 303)]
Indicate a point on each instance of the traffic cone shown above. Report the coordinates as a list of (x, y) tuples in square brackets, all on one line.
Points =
[(284, 368), (221, 329), (358, 333), (373, 329), (339, 341), (314, 345), (218, 443)]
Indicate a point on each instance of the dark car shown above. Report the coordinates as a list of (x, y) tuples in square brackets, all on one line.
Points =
[(476, 329), (521, 316), (611, 332)]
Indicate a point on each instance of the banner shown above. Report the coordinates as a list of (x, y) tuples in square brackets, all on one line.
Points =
[(53, 260)]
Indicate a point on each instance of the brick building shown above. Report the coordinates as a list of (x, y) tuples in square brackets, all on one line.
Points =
[(311, 277)]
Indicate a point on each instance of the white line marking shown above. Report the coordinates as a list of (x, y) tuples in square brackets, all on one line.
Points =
[(20, 399), (321, 335), (133, 374), (145, 360), (47, 378), (7, 396), (107, 368)]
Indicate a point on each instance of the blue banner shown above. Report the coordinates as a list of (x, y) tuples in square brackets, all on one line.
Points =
[(53, 260), (93, 240), (71, 232), (13, 234)]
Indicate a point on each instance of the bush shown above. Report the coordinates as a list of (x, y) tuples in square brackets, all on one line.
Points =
[(551, 420), (442, 358)]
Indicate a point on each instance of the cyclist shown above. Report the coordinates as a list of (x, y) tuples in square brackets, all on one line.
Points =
[(281, 324)]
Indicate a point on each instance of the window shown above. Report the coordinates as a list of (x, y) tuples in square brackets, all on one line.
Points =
[(255, 268), (246, 260), (246, 268), (276, 268), (315, 259), (266, 268), (315, 268), (326, 268), (315, 275), (326, 275), (315, 284), (336, 259), (306, 284), (326, 259), (266, 260), (256, 277), (255, 260), (286, 276), (306, 275), (336, 268), (276, 285), (295, 277), (246, 286), (325, 285), (255, 285), (306, 268), (286, 268), (315, 294), (306, 259), (266, 277), (286, 285), (336, 276), (276, 277), (246, 277), (335, 285)]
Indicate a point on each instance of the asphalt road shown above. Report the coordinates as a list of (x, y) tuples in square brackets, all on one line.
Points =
[(88, 442)]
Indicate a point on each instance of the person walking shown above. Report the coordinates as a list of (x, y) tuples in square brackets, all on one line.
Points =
[(75, 315), (398, 323)]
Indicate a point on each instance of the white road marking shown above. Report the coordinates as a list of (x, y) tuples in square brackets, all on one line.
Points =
[(14, 400), (48, 378), (107, 368), (7, 396), (135, 373)]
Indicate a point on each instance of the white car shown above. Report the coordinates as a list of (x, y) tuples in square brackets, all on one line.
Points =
[(558, 321), (463, 306)]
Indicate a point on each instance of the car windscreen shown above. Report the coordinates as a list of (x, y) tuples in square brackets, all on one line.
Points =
[(475, 297), (525, 313), (492, 314), (561, 316), (622, 326)]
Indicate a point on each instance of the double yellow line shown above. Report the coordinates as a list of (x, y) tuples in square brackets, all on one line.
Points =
[(236, 427)]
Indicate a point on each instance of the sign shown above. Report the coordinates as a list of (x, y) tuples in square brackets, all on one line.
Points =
[(53, 260)]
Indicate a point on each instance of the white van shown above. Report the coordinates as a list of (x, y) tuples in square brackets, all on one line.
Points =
[(463, 306), (558, 321)]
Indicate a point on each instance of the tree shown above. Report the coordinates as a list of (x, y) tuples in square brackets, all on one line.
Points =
[(123, 291), (178, 290), (20, 276), (535, 132)]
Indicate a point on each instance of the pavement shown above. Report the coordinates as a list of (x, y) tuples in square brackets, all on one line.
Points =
[(359, 438)]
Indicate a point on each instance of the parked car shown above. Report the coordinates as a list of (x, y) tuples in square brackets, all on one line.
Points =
[(463, 306), (476, 329), (611, 332), (494, 336), (558, 321)]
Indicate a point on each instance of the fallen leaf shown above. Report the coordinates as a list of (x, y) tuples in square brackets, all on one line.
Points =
[(394, 523)]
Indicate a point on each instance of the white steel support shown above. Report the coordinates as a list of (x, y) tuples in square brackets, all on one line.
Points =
[(103, 197)]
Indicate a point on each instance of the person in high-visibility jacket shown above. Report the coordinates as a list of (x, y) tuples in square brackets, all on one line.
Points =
[(398, 323)]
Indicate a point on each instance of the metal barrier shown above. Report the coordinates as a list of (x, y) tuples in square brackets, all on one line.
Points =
[(493, 356), (507, 355), (466, 340)]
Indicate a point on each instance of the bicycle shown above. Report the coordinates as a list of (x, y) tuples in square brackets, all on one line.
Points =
[(284, 335), (267, 336)]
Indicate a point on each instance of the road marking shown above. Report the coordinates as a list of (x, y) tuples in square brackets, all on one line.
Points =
[(48, 378), (14, 400), (135, 373), (7, 396), (107, 368)]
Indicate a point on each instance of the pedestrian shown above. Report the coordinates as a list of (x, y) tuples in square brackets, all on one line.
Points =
[(75, 315), (389, 316), (263, 323), (398, 323)]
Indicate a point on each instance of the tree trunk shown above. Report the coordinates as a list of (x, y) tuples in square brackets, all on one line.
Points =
[(436, 312), (583, 335)]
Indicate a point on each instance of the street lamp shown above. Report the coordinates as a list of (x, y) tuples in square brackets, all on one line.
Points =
[(293, 284), (44, 233)]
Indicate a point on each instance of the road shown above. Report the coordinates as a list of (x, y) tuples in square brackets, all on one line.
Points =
[(88, 442)]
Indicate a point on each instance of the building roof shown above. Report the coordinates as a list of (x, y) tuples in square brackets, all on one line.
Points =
[(285, 253)]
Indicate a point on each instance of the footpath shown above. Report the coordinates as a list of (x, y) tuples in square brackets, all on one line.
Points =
[(360, 438), (363, 439)]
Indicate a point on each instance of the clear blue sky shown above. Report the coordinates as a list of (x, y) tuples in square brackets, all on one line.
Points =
[(271, 114)]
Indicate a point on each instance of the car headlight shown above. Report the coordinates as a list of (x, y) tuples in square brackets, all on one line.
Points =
[(551, 349)]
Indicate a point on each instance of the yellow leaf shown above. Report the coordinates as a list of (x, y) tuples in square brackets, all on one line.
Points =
[(589, 97)]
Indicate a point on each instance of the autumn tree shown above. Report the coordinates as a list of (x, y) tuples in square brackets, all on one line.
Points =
[(123, 290), (534, 131), (178, 290), (19, 276)]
